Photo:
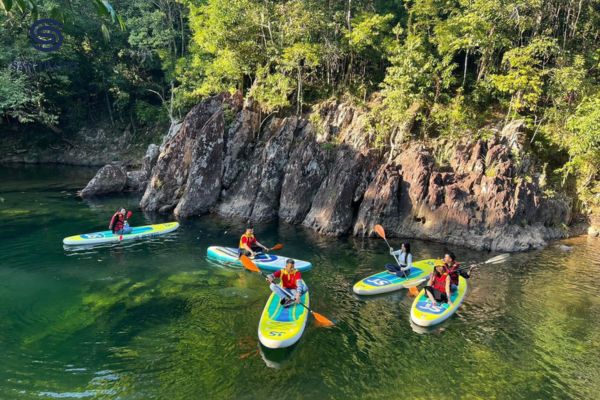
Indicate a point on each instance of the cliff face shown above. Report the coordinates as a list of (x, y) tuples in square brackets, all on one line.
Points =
[(327, 175)]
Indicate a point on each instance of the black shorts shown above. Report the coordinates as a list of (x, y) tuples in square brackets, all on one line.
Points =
[(244, 252), (437, 295)]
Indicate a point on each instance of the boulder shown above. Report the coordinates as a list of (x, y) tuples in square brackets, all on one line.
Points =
[(109, 179), (204, 178), (170, 175), (333, 207)]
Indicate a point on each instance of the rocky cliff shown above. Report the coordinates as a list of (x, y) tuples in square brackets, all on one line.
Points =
[(325, 172)]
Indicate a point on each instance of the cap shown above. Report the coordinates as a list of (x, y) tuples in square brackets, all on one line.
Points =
[(439, 263)]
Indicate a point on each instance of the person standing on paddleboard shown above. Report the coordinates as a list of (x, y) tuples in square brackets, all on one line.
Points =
[(453, 270), (249, 246), (118, 223), (403, 258), (438, 287), (291, 282)]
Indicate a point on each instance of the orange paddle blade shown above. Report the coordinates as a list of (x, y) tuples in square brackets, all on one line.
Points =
[(322, 320), (413, 291), (248, 264), (379, 230), (278, 246)]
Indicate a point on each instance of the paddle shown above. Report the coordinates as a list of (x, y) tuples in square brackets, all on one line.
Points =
[(250, 266), (413, 291), (494, 260), (278, 246)]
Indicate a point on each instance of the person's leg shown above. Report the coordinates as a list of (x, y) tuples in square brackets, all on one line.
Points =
[(393, 268), (302, 287), (429, 291), (403, 272), (127, 230), (243, 252), (453, 287), (292, 299), (278, 291), (443, 298)]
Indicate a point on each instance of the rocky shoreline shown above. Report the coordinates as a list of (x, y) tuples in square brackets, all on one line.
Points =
[(324, 171)]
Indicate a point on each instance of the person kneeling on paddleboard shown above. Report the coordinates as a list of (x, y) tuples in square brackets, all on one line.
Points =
[(292, 285), (118, 223), (249, 246), (438, 287), (453, 269), (403, 258)]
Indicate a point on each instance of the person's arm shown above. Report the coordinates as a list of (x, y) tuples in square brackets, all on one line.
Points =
[(464, 273), (408, 263), (112, 221), (261, 245), (396, 253), (274, 275), (246, 247), (448, 294), (430, 282)]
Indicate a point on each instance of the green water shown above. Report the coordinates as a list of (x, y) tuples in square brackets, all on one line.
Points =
[(155, 320)]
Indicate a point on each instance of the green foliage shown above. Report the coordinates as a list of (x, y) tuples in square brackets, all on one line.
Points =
[(584, 148), (271, 90), (525, 73), (20, 100), (425, 68), (148, 114)]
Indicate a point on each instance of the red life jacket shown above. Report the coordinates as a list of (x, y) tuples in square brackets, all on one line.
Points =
[(288, 281), (439, 282), (452, 270), (117, 222), (250, 240)]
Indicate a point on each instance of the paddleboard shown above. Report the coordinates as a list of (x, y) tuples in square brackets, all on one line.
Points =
[(384, 282), (424, 313), (279, 326), (267, 262), (137, 232)]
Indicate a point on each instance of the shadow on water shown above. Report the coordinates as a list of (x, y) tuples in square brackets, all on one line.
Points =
[(276, 358)]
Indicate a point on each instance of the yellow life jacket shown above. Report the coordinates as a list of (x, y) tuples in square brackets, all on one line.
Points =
[(249, 236)]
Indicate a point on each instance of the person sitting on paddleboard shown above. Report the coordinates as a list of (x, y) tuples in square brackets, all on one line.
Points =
[(404, 259), (249, 246), (118, 223), (438, 287), (453, 270), (291, 282)]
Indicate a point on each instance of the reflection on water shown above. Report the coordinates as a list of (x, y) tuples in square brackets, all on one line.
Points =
[(155, 319)]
